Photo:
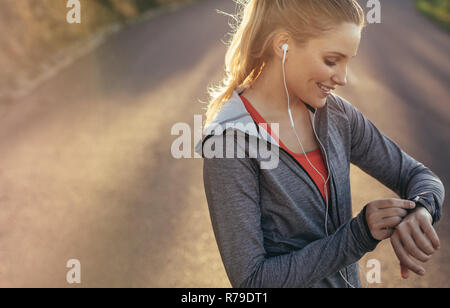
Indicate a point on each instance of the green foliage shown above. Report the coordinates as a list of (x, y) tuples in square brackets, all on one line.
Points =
[(437, 10), (143, 5)]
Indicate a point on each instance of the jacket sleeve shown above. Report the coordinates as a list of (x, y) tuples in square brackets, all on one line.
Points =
[(233, 195), (380, 157)]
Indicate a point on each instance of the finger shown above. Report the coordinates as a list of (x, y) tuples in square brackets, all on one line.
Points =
[(403, 256), (386, 233), (392, 212), (389, 232), (404, 271), (431, 234), (411, 248), (422, 241), (389, 222), (395, 203), (379, 215)]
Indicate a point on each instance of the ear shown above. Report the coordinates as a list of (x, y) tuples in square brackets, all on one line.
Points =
[(279, 40)]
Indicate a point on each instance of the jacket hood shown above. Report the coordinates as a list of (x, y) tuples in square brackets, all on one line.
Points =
[(234, 114)]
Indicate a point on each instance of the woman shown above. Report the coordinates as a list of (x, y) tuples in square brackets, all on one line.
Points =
[(291, 225)]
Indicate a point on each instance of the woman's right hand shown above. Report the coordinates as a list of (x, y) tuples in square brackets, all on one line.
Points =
[(384, 215)]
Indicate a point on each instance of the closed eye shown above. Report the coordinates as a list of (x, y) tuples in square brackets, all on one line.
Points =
[(330, 63)]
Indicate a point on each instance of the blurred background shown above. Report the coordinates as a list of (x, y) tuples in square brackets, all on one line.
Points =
[(86, 112)]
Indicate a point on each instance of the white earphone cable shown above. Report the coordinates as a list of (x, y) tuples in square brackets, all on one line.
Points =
[(285, 48)]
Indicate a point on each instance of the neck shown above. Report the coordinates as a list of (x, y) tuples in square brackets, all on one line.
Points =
[(268, 93)]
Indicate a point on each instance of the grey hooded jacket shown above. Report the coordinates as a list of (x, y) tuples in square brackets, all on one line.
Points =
[(269, 221)]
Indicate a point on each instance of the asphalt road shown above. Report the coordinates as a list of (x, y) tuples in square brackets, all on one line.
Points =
[(86, 170)]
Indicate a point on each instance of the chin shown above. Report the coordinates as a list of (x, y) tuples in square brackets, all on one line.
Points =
[(318, 102), (323, 103)]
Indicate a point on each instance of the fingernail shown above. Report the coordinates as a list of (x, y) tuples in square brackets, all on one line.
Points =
[(422, 272), (412, 205)]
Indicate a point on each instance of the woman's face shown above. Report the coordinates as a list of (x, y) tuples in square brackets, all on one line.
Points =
[(317, 68)]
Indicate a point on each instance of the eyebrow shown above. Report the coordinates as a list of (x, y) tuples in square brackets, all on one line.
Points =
[(341, 54)]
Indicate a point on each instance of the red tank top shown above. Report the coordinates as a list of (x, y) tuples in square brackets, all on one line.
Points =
[(314, 157)]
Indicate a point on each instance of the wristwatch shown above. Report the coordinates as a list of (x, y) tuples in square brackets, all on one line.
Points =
[(419, 201), (416, 199)]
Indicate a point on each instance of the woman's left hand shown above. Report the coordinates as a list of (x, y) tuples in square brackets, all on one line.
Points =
[(415, 237)]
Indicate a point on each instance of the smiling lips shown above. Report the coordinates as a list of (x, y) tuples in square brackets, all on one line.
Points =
[(325, 89)]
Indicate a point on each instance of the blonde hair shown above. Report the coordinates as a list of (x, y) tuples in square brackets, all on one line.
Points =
[(257, 22)]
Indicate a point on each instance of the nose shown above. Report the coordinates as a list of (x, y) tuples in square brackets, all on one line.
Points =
[(340, 77)]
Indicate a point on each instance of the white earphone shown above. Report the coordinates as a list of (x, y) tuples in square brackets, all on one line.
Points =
[(285, 48)]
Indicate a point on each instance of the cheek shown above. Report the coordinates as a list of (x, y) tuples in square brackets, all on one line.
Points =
[(311, 73), (321, 73)]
